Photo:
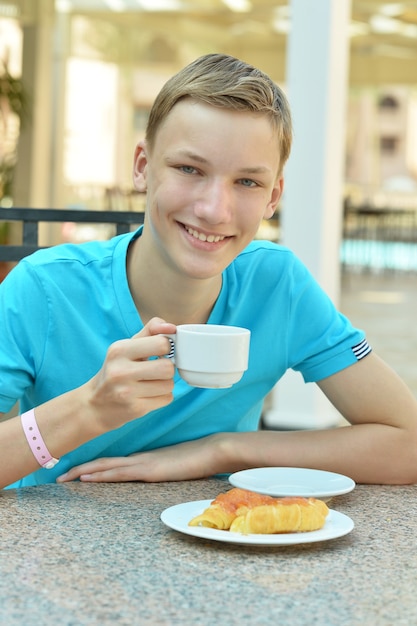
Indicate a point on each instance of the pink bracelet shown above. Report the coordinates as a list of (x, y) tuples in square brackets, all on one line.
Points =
[(35, 441)]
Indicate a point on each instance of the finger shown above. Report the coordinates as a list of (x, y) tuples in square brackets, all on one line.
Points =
[(151, 369), (156, 326), (139, 348), (150, 388), (115, 475), (91, 466), (139, 378), (117, 469)]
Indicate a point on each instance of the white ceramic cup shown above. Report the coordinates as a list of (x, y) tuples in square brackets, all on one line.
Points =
[(209, 355)]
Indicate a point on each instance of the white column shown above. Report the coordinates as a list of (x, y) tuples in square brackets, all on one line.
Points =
[(317, 79), (60, 54), (34, 148)]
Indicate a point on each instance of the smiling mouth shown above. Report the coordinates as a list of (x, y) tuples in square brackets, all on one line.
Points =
[(202, 237)]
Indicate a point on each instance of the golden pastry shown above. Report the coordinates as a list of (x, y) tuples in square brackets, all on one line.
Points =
[(286, 515), (245, 511), (227, 506)]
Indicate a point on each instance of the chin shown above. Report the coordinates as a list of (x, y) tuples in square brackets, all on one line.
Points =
[(202, 273)]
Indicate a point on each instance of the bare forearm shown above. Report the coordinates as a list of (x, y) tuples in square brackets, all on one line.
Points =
[(129, 385), (64, 425), (368, 453)]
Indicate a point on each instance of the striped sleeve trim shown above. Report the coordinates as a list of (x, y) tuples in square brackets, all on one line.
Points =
[(361, 350)]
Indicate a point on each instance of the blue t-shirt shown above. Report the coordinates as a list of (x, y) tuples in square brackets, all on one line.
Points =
[(61, 308)]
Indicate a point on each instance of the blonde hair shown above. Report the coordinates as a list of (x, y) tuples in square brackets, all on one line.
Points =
[(225, 82)]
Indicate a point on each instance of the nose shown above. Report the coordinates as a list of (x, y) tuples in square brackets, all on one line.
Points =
[(215, 205)]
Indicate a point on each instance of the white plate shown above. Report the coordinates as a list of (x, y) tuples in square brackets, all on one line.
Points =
[(177, 517), (292, 481)]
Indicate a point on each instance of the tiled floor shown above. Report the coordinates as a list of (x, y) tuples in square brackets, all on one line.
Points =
[(385, 306)]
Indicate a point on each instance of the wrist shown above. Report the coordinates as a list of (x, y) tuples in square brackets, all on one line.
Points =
[(66, 421), (35, 440), (228, 456), (96, 412)]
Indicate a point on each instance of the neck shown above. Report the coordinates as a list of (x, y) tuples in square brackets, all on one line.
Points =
[(160, 293)]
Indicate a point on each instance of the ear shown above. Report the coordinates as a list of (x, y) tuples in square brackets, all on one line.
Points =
[(140, 163), (275, 197)]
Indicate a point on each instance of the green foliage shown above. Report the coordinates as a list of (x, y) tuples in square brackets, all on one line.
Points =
[(4, 232), (13, 101), (7, 166), (13, 91)]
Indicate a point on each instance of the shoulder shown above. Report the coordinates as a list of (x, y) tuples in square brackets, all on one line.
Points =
[(60, 261), (261, 252), (77, 253), (269, 260), (66, 266)]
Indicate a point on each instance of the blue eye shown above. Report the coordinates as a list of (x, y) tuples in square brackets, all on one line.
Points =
[(187, 169), (247, 182)]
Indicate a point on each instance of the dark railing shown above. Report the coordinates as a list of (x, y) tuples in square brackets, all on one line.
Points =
[(30, 218)]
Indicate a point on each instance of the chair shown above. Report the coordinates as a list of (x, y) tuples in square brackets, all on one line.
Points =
[(123, 220)]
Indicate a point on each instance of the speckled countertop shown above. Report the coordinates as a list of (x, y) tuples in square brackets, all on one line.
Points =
[(78, 554)]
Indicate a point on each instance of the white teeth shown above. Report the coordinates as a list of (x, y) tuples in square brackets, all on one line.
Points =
[(203, 237)]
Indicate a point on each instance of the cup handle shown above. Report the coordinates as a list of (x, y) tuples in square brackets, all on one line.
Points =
[(171, 353)]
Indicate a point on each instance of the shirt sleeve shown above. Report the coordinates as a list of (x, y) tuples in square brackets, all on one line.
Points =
[(322, 340), (24, 316)]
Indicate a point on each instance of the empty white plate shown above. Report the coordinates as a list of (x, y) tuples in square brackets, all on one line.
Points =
[(292, 481)]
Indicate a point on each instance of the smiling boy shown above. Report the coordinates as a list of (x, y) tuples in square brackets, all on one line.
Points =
[(83, 365)]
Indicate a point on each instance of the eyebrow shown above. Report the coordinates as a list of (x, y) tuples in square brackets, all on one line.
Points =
[(196, 157)]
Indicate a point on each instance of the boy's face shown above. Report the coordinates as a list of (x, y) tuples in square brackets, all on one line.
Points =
[(211, 177)]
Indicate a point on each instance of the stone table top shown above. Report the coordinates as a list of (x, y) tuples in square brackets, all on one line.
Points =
[(79, 553)]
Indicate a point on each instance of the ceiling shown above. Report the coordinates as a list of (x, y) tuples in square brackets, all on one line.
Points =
[(383, 35)]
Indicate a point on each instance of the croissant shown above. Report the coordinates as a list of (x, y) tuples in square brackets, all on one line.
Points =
[(286, 515), (240, 510), (227, 506)]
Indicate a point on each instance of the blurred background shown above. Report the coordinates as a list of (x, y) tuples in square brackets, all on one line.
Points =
[(78, 77)]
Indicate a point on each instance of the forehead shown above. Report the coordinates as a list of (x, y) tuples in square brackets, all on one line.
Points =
[(223, 140), (193, 121)]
